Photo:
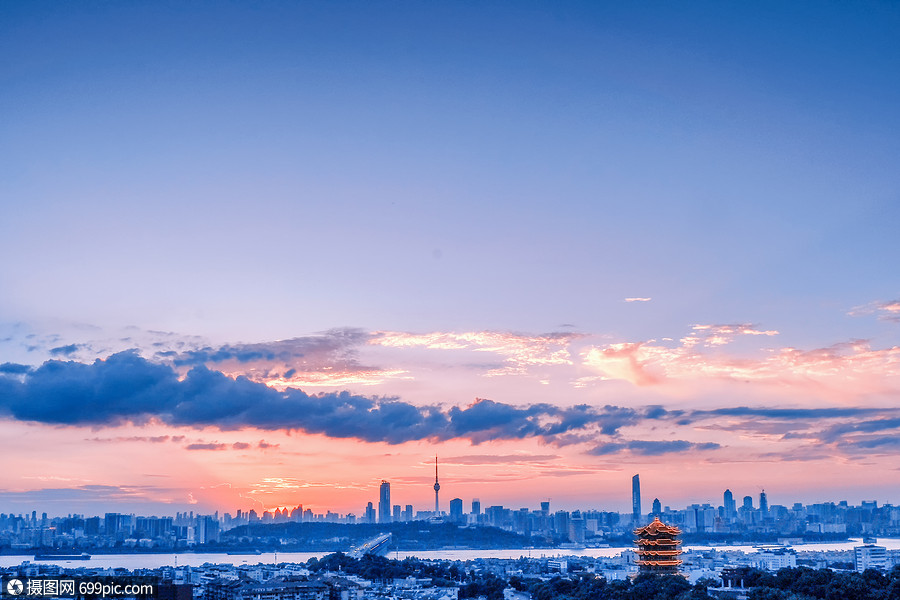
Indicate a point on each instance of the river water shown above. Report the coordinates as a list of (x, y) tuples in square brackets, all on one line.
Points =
[(152, 561)]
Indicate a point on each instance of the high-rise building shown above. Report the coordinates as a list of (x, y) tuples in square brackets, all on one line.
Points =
[(763, 502), (384, 502), (456, 510), (748, 502), (561, 522), (370, 513), (408, 513), (657, 507), (476, 506), (398, 516), (729, 504), (206, 530), (545, 507), (636, 499), (437, 488), (576, 528)]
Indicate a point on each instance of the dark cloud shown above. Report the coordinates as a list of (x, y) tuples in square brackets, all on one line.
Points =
[(64, 350), (240, 445), (488, 420), (206, 446), (654, 411), (650, 447), (334, 347), (14, 369), (126, 388), (787, 413), (837, 432), (155, 439), (890, 443), (844, 428)]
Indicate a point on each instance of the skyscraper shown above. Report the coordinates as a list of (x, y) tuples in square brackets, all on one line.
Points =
[(437, 488), (657, 507), (763, 503), (636, 499), (456, 510), (729, 504), (384, 502)]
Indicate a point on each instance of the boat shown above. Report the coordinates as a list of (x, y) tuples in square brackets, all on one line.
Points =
[(82, 556)]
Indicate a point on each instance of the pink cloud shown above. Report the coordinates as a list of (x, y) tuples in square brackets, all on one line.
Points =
[(519, 351), (886, 310), (719, 335), (850, 367)]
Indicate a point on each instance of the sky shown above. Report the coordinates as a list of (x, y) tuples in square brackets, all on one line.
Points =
[(262, 254)]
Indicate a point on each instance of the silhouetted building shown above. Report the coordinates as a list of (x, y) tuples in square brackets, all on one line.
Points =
[(657, 548), (576, 528), (657, 508), (636, 499), (384, 502), (561, 523), (729, 504), (206, 530), (476, 506), (763, 503), (456, 509)]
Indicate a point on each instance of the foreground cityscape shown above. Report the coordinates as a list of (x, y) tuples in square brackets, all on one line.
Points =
[(865, 572), (757, 549)]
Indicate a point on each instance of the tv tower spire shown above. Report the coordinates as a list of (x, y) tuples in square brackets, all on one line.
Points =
[(437, 487)]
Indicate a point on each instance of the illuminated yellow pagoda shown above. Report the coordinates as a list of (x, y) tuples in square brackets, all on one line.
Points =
[(657, 548)]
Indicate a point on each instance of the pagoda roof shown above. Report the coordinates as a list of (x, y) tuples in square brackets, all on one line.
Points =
[(663, 542), (657, 527)]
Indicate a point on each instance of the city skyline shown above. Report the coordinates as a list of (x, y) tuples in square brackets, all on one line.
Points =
[(373, 514), (256, 253)]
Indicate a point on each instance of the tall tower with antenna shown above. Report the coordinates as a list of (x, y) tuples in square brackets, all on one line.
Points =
[(437, 488)]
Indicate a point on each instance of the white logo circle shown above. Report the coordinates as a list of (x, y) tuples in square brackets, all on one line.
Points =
[(14, 587)]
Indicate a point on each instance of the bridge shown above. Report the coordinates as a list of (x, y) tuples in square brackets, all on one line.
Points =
[(378, 546)]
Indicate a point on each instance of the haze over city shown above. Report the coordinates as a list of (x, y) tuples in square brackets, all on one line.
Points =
[(266, 254)]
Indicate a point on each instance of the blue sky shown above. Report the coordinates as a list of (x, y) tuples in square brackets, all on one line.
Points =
[(243, 173)]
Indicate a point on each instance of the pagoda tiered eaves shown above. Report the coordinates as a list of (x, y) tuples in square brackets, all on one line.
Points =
[(657, 548)]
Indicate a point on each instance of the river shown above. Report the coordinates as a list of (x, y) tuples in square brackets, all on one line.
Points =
[(152, 561)]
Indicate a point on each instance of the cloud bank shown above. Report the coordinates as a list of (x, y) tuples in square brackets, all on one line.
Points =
[(127, 388)]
